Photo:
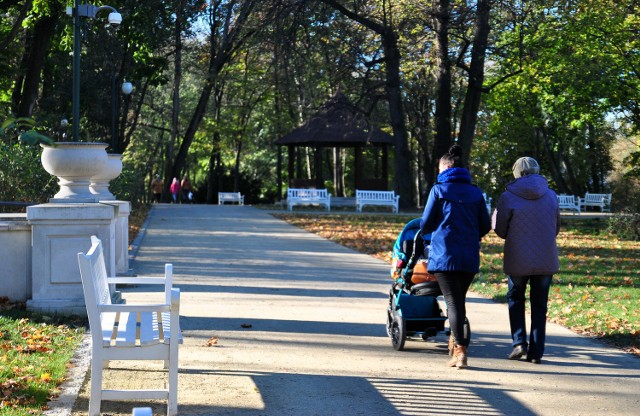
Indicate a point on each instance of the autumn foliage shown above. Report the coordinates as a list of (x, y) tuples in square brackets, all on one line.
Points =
[(33, 359)]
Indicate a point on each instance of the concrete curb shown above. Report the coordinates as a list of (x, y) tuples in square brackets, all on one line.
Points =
[(63, 403)]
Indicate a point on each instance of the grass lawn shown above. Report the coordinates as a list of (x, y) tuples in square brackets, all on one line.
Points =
[(34, 357), (596, 293)]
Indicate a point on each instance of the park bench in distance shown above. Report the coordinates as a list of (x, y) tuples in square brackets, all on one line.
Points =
[(300, 196), (568, 202), (602, 201), (380, 198), (230, 197)]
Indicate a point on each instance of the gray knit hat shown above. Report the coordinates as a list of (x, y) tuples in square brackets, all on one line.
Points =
[(525, 166)]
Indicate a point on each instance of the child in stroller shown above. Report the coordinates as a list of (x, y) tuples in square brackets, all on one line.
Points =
[(413, 310)]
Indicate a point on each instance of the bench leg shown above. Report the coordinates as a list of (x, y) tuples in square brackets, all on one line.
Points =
[(172, 402), (96, 387)]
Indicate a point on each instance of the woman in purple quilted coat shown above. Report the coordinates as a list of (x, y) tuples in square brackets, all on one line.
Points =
[(528, 218)]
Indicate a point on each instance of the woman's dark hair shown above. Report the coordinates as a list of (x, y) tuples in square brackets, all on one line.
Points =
[(453, 157)]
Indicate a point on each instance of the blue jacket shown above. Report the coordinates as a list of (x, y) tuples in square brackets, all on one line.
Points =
[(457, 218)]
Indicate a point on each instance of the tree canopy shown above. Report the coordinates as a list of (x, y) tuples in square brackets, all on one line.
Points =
[(217, 82)]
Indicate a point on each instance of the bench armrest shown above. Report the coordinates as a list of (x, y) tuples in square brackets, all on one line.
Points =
[(167, 281), (137, 280), (149, 307)]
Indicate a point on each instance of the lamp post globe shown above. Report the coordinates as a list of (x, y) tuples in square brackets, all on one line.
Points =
[(127, 88)]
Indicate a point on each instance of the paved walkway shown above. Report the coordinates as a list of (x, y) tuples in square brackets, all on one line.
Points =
[(299, 329)]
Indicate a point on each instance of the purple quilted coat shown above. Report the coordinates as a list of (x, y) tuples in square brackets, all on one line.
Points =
[(528, 218)]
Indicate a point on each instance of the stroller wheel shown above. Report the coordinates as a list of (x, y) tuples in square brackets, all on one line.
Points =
[(398, 333)]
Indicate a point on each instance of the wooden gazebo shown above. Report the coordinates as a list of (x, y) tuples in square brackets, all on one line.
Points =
[(338, 123)]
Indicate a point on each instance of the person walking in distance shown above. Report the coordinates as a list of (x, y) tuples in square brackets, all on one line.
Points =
[(175, 190), (156, 188), (527, 217), (185, 184), (456, 216)]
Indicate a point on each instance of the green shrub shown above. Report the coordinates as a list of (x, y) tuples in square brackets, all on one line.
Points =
[(625, 225), (22, 177)]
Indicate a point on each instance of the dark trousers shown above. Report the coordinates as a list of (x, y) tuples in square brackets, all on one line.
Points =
[(539, 295), (454, 286)]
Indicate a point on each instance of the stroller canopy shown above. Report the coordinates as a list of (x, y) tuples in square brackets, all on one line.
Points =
[(408, 233)]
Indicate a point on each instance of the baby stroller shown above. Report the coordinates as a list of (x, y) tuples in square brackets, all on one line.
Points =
[(414, 310)]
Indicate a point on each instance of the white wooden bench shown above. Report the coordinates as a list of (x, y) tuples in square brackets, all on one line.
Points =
[(299, 196), (384, 198), (129, 332), (568, 202), (602, 201), (230, 197)]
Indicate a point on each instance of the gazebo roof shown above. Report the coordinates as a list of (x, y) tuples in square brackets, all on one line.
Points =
[(338, 123)]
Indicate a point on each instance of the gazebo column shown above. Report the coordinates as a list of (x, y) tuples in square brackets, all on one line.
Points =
[(318, 167), (291, 163), (279, 173), (358, 174), (385, 166)]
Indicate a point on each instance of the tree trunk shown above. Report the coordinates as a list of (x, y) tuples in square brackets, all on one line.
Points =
[(37, 47), (215, 169), (236, 167), (473, 95), (194, 124), (219, 56), (170, 173), (215, 173), (389, 40), (554, 166), (402, 156), (442, 115)]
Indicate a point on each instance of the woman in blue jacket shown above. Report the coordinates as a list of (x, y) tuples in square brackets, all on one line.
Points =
[(457, 218)]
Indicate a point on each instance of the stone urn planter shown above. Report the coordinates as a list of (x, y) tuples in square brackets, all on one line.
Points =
[(74, 164), (100, 183)]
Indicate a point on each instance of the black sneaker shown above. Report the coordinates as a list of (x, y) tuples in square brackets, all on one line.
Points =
[(518, 352)]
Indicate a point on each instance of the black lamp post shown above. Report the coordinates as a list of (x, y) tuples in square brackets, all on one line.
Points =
[(126, 88), (78, 11)]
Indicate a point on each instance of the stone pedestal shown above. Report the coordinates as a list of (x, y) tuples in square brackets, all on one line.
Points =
[(15, 257), (59, 232), (123, 209)]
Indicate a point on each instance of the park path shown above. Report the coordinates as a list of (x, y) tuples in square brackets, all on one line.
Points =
[(278, 321)]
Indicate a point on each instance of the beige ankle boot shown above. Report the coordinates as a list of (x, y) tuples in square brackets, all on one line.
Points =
[(459, 358), (452, 344)]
